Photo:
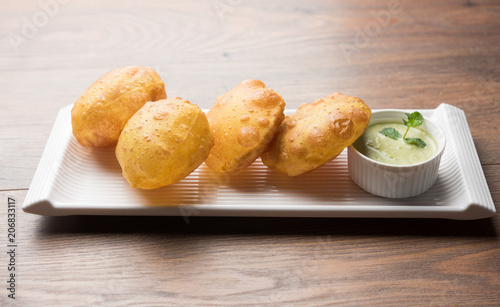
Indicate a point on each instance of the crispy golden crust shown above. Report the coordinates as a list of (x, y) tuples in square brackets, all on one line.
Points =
[(316, 133), (102, 111), (163, 143), (243, 122)]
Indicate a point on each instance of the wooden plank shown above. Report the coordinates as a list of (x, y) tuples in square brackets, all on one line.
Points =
[(427, 53)]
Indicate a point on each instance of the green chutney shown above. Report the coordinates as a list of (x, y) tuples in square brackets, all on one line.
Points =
[(381, 148)]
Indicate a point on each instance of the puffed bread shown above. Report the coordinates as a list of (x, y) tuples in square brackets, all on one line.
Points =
[(316, 133), (243, 122), (163, 143), (102, 111)]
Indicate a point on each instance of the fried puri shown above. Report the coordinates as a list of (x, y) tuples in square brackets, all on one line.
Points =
[(102, 111), (316, 133), (163, 143), (243, 122)]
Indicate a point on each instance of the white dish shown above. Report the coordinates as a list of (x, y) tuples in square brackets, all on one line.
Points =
[(75, 180), (396, 181)]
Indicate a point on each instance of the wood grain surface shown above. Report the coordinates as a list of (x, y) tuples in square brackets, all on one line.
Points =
[(390, 53)]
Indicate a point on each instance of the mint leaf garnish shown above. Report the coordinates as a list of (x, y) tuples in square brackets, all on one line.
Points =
[(414, 119), (415, 141), (391, 133)]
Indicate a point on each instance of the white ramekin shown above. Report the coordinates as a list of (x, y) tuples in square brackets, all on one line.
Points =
[(396, 181)]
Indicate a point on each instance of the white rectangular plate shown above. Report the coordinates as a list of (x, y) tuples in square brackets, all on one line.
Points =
[(75, 180)]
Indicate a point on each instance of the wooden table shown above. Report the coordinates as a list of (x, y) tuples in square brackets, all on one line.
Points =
[(398, 54)]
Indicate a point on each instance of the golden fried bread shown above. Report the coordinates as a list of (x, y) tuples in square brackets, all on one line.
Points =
[(316, 133), (163, 143), (102, 111), (243, 122)]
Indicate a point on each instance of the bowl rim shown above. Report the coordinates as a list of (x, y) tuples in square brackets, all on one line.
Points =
[(437, 154)]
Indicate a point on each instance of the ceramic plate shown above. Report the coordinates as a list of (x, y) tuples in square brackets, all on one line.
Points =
[(75, 180)]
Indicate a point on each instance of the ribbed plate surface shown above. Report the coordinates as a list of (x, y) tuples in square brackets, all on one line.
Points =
[(72, 179)]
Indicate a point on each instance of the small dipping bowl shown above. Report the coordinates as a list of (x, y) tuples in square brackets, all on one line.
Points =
[(396, 181)]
